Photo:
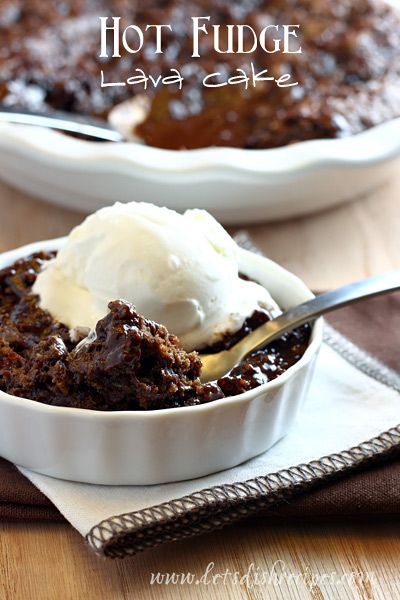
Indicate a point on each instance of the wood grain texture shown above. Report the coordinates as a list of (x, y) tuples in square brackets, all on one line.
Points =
[(307, 561), (316, 562)]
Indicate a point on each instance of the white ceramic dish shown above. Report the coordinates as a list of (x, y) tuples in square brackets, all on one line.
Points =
[(132, 448), (236, 185)]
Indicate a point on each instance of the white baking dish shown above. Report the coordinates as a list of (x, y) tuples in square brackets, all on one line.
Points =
[(132, 448), (235, 185)]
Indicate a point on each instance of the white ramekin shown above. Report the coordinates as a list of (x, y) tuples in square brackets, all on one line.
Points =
[(140, 448), (235, 185)]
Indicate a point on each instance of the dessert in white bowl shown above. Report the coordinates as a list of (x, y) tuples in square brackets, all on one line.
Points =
[(131, 366), (348, 89)]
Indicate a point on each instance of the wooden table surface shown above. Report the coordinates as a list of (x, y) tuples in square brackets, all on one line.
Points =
[(316, 561)]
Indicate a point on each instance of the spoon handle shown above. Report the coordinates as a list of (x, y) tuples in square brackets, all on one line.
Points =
[(87, 126), (322, 304)]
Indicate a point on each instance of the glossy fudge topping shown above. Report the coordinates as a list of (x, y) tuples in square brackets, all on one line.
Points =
[(126, 363), (348, 71)]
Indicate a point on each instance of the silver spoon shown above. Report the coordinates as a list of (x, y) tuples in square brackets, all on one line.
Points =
[(217, 365), (62, 121)]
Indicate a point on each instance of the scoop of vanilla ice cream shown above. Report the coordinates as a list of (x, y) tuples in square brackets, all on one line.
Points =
[(178, 270)]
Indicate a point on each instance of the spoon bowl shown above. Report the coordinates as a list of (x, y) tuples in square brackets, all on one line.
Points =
[(218, 364)]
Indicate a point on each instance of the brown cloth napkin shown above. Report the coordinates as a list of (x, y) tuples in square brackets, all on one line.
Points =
[(374, 326)]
